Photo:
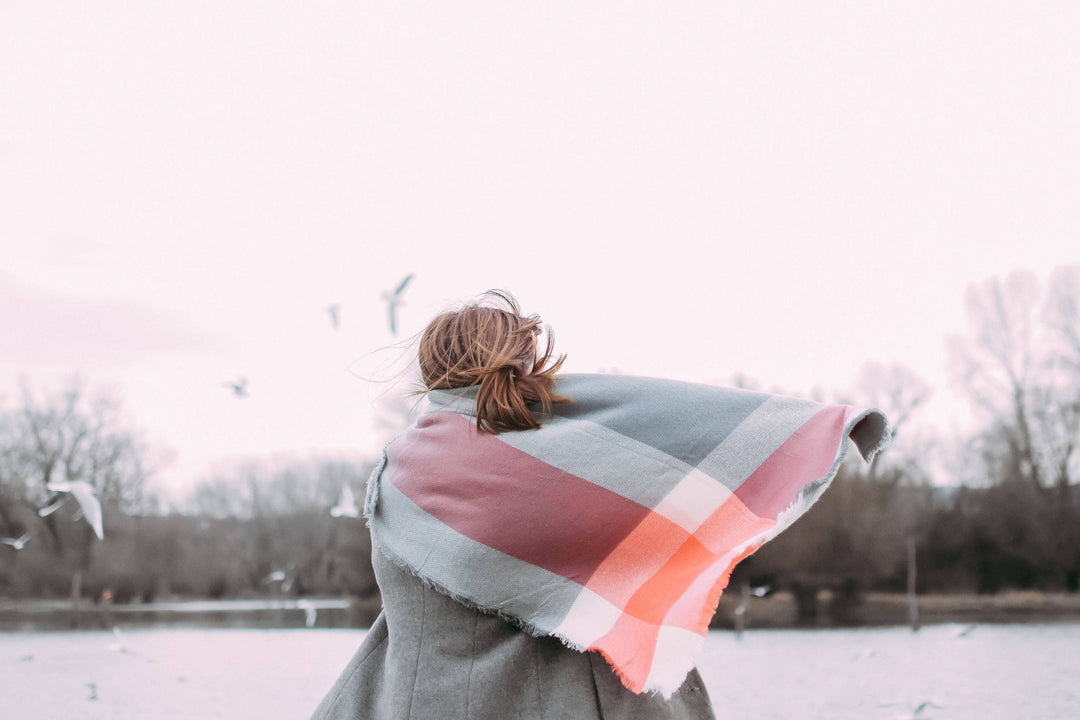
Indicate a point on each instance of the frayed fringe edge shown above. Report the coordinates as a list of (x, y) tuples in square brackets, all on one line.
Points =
[(804, 500)]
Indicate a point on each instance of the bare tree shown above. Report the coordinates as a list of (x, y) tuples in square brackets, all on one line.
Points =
[(897, 391), (69, 438), (1020, 362), (287, 526), (1059, 416), (12, 482), (996, 361), (1062, 312)]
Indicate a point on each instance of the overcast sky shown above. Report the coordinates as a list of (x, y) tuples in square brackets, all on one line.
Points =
[(783, 189)]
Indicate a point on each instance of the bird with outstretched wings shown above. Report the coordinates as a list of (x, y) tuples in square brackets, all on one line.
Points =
[(394, 299), (17, 543), (84, 494)]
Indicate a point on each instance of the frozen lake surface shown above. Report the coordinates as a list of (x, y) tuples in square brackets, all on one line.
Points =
[(989, 672)]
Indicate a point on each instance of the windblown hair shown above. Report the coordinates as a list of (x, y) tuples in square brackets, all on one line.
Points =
[(491, 344)]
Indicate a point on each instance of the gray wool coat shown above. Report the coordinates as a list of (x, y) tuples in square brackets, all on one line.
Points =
[(428, 656)]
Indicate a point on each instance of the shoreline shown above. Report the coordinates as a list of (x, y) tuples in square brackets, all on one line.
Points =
[(875, 609), (778, 611)]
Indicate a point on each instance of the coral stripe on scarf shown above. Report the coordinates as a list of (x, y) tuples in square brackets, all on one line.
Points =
[(616, 525)]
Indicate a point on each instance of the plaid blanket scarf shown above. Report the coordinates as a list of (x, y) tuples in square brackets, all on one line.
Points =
[(616, 525)]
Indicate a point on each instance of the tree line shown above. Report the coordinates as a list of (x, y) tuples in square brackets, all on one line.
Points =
[(1008, 515)]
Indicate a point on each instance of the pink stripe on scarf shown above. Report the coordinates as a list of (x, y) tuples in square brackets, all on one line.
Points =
[(509, 501), (806, 456)]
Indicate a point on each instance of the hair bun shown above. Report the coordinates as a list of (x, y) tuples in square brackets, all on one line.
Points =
[(495, 347)]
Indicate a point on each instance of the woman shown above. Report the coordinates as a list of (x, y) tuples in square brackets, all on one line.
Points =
[(555, 547)]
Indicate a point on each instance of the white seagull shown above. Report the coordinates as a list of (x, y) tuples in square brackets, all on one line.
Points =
[(88, 502), (52, 507), (17, 543), (917, 712), (279, 576), (239, 387), (346, 506), (394, 299), (964, 631), (335, 314), (276, 576)]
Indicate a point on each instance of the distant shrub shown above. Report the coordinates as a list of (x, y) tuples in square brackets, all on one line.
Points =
[(124, 589), (149, 589), (218, 587), (182, 586)]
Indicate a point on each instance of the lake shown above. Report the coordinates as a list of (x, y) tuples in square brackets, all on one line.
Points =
[(978, 672)]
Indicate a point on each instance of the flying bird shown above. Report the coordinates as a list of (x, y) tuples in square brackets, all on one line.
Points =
[(964, 631), (17, 543), (239, 387), (928, 704), (279, 576), (88, 502), (53, 506), (346, 506), (335, 314), (394, 299), (276, 576), (917, 712), (864, 655)]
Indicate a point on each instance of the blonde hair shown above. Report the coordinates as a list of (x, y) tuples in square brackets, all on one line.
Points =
[(489, 343)]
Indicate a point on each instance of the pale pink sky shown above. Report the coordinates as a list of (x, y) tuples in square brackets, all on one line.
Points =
[(692, 189)]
